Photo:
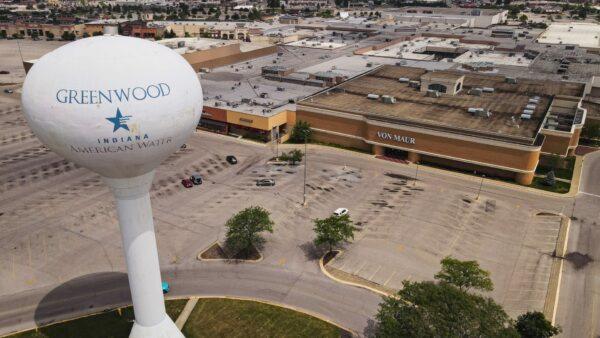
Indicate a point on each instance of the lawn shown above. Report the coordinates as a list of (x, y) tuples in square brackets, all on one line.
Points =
[(105, 325), (234, 318), (566, 173), (559, 187), (210, 318)]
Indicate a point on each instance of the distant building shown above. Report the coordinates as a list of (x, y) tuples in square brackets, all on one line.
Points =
[(476, 18), (33, 29)]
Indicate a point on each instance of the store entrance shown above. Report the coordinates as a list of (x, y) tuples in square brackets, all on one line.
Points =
[(396, 153)]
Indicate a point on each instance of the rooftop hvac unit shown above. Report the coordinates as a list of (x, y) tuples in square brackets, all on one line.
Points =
[(530, 106), (475, 91), (525, 117), (280, 89), (528, 111), (373, 96), (414, 84), (217, 104), (404, 79), (432, 93), (369, 64), (388, 99), (475, 110), (487, 89)]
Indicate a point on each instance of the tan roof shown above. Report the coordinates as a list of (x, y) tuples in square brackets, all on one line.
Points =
[(506, 103)]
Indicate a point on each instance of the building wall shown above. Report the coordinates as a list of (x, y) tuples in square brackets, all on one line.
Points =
[(93, 28), (225, 55), (57, 30), (359, 132)]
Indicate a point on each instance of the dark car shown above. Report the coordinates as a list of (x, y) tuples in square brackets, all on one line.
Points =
[(196, 179), (187, 183), (231, 159), (265, 182)]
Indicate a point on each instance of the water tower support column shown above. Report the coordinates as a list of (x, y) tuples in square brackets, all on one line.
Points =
[(139, 244)]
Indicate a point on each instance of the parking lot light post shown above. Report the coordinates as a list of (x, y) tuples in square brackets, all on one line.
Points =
[(416, 174), (305, 165), (480, 186)]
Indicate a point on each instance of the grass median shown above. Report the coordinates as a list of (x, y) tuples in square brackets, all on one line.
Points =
[(212, 317)]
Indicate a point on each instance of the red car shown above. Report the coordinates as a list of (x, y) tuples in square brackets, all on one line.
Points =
[(187, 183)]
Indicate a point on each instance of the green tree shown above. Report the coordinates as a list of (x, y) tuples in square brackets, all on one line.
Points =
[(429, 309), (535, 325), (244, 229), (293, 156), (169, 34), (255, 14), (464, 275), (68, 36), (301, 132), (523, 18), (273, 3), (333, 230)]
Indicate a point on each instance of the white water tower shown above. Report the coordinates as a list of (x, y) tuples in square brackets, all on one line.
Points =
[(119, 106)]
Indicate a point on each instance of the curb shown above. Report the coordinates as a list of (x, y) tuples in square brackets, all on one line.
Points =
[(552, 295), (322, 266), (198, 257), (576, 179)]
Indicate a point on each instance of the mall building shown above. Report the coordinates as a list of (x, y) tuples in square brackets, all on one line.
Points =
[(488, 124)]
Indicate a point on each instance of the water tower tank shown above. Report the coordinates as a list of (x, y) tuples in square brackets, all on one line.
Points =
[(116, 105)]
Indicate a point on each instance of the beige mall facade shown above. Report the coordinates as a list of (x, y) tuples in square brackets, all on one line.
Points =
[(416, 144)]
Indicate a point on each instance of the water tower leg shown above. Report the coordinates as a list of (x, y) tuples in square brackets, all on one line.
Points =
[(141, 254)]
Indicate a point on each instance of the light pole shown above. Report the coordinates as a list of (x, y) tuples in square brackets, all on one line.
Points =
[(416, 174), (305, 165), (480, 186)]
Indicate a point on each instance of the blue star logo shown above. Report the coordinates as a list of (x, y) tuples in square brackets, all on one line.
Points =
[(119, 121)]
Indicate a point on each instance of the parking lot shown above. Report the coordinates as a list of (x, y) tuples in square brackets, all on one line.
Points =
[(58, 221)]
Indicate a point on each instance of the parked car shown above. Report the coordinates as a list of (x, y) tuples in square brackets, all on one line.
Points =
[(231, 159), (196, 179), (187, 183), (9, 91), (166, 288), (340, 211), (265, 182)]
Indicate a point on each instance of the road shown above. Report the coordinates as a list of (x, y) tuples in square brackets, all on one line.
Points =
[(579, 299), (307, 290), (286, 275)]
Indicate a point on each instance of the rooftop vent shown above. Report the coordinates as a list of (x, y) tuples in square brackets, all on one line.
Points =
[(432, 93), (388, 99), (475, 91)]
